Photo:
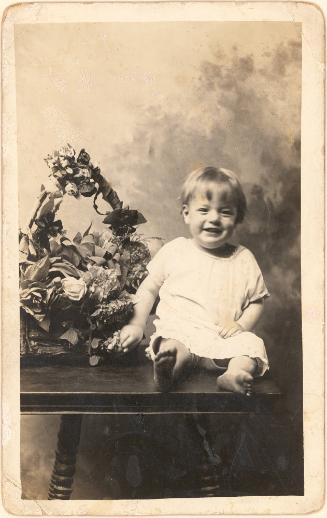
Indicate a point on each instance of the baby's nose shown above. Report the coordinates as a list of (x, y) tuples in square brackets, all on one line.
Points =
[(214, 216)]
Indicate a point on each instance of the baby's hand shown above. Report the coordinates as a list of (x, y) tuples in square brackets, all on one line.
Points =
[(230, 329), (130, 336)]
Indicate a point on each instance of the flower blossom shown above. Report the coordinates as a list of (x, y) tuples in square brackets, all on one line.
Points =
[(74, 289), (71, 189), (66, 151), (64, 161), (32, 300), (83, 173)]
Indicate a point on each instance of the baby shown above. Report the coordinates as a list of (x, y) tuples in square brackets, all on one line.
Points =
[(211, 292)]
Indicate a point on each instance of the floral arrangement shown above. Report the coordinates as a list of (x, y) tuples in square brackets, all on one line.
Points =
[(75, 295)]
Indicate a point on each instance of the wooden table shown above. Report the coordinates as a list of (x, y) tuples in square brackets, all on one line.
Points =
[(73, 391)]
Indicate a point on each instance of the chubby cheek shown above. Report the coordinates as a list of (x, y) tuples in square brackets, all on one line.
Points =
[(229, 228), (230, 225)]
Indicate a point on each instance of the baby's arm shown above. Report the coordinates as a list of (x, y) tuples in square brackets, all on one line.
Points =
[(251, 315), (246, 322), (132, 333)]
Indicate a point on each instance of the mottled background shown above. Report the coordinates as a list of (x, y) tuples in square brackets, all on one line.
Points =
[(150, 102)]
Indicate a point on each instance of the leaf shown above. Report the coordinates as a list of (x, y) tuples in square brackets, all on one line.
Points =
[(55, 247), (71, 255), (65, 241), (23, 283), (25, 294), (109, 218), (66, 270), (22, 257), (96, 312), (105, 237), (76, 259), (119, 217), (23, 249), (46, 208), (26, 248), (70, 335), (85, 250), (55, 259), (140, 218), (39, 270), (78, 238), (57, 194), (89, 247), (71, 251), (24, 245), (34, 287), (45, 324), (32, 250), (98, 251), (124, 266), (57, 203), (99, 261), (88, 229), (37, 316), (89, 238), (51, 292)]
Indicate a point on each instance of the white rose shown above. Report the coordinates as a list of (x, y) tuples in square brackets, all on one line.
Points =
[(75, 289)]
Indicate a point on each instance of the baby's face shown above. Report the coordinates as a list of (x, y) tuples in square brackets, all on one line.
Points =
[(211, 221)]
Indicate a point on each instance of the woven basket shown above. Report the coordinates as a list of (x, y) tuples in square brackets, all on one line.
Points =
[(37, 342)]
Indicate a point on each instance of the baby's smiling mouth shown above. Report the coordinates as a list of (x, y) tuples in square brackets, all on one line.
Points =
[(213, 230)]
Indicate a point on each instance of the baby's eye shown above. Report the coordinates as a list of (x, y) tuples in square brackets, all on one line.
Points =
[(227, 212), (203, 209)]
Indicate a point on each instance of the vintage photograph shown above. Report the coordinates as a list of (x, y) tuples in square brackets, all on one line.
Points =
[(159, 210)]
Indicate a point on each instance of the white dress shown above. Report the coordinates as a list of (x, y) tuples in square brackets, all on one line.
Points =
[(198, 291)]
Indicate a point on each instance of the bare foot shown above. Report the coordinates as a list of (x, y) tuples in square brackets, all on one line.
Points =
[(164, 363), (240, 381)]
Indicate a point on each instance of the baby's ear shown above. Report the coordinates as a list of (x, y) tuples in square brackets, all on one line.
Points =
[(185, 212)]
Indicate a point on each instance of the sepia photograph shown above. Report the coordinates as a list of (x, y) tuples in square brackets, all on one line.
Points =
[(159, 218)]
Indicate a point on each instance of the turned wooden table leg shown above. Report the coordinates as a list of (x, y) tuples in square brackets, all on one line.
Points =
[(65, 461)]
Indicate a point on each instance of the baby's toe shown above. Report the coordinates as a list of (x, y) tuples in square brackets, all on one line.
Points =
[(248, 378)]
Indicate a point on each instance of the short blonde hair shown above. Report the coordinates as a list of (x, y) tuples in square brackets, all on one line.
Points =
[(199, 179)]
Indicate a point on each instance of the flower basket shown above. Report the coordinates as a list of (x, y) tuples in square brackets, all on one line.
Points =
[(76, 294)]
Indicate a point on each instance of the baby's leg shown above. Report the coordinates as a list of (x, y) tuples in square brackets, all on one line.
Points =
[(239, 375), (170, 362)]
